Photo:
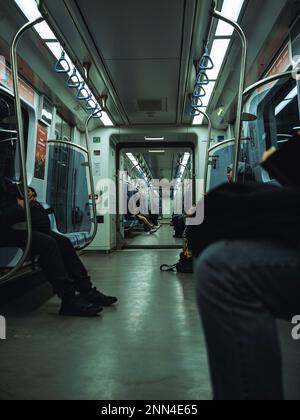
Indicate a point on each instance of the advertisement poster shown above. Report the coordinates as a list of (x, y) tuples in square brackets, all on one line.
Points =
[(41, 150), (26, 92)]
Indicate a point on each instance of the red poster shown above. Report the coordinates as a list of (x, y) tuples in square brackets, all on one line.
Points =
[(41, 150)]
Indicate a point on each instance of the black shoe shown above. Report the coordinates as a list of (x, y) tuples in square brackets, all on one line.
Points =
[(98, 298), (78, 306)]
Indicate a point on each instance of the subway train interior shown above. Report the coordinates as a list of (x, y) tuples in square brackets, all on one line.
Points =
[(149, 244)]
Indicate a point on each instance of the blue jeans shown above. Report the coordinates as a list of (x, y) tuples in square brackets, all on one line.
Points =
[(242, 287)]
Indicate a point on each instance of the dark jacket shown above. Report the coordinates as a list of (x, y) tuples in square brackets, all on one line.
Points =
[(248, 211), (10, 212), (40, 219)]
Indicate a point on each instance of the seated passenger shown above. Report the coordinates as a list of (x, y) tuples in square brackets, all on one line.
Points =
[(151, 228), (58, 258), (245, 173), (179, 225), (74, 268), (247, 276)]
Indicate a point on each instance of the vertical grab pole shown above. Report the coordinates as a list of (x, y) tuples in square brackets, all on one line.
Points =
[(241, 33), (94, 219), (21, 143), (206, 165)]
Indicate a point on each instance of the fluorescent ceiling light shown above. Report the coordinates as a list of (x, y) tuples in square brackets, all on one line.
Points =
[(218, 54), (296, 128), (56, 50), (287, 100), (154, 138), (106, 120), (232, 10), (132, 158), (198, 120), (31, 11), (44, 31), (157, 151), (29, 8), (186, 159), (209, 91)]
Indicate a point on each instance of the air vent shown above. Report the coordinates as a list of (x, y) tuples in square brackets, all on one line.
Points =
[(150, 105)]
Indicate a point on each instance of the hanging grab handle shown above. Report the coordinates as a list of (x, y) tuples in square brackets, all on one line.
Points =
[(199, 92), (195, 112), (206, 62), (61, 63), (197, 103), (202, 78), (90, 107), (97, 113), (83, 94), (73, 81)]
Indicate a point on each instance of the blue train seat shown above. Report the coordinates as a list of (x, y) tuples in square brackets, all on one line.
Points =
[(9, 256)]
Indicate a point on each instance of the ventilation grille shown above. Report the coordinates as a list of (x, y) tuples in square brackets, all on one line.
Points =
[(150, 105)]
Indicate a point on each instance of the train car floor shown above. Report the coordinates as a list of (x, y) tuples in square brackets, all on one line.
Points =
[(163, 238), (150, 346)]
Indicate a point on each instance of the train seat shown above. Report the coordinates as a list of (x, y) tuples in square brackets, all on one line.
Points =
[(9, 256), (130, 223), (78, 239)]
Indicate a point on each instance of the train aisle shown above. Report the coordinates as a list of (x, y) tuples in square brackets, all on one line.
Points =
[(149, 347), (163, 238)]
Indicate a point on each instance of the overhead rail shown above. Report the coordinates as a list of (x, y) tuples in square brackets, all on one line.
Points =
[(202, 80), (21, 145), (83, 93)]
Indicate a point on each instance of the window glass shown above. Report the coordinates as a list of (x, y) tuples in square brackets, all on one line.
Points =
[(9, 151), (63, 129), (68, 188)]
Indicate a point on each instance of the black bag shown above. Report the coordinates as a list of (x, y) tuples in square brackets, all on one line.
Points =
[(185, 263)]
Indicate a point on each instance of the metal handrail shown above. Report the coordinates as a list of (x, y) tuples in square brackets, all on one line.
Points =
[(267, 80), (20, 130), (68, 143), (207, 149), (92, 186), (223, 143), (242, 35)]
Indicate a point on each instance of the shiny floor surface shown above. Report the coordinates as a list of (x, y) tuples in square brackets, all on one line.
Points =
[(162, 238), (149, 347)]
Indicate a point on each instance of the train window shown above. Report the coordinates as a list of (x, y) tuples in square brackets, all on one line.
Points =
[(63, 129), (68, 188), (281, 113), (46, 111), (8, 135)]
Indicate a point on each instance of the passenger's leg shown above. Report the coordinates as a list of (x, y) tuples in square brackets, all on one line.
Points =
[(54, 269), (75, 268), (145, 222), (78, 273), (242, 288)]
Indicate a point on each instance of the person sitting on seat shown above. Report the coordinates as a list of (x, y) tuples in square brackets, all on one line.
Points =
[(68, 258), (178, 221), (149, 226), (58, 259), (245, 173), (247, 276)]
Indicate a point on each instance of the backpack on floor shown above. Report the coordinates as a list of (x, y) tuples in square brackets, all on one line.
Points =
[(185, 263)]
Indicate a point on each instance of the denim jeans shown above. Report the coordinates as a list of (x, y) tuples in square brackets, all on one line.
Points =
[(242, 287)]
